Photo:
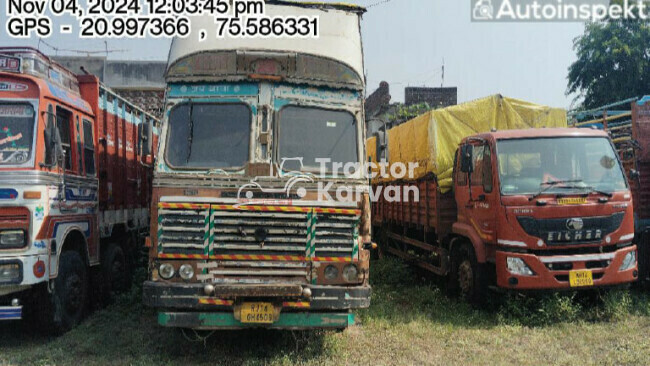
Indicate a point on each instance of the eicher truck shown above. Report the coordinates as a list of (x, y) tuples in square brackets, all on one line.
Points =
[(628, 123), (75, 172), (246, 227), (503, 196)]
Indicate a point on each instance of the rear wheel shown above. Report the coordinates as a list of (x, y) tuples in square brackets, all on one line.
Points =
[(115, 269), (466, 276), (69, 295)]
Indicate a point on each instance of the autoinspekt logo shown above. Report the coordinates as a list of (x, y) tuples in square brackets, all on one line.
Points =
[(558, 10)]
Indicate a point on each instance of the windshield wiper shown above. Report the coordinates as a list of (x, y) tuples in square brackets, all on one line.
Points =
[(553, 183)]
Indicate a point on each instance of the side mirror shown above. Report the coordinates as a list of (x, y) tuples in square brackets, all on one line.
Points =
[(145, 138), (466, 155)]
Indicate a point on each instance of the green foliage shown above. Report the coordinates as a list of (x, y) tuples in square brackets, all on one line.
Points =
[(402, 112), (539, 311), (613, 62), (390, 272), (616, 305)]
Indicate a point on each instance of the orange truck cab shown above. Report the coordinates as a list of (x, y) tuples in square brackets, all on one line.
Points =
[(533, 209), (549, 208), (75, 169)]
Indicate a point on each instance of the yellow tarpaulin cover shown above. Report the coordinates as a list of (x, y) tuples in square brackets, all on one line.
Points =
[(431, 139)]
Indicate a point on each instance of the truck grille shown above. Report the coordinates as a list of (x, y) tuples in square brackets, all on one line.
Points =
[(254, 272), (558, 232), (182, 230)]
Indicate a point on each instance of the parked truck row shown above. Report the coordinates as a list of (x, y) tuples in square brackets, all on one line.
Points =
[(237, 204)]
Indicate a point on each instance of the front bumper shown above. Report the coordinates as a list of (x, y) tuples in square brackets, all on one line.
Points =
[(11, 312), (227, 320), (186, 304), (604, 268), (28, 274)]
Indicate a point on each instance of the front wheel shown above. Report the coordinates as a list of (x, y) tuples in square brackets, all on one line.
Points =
[(70, 293), (467, 276)]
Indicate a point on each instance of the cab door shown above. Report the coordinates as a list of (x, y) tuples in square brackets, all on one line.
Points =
[(476, 195)]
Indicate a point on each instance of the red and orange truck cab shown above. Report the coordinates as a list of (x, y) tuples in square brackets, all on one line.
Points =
[(73, 186), (549, 223)]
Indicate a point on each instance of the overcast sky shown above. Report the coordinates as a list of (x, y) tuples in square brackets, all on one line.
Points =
[(405, 42)]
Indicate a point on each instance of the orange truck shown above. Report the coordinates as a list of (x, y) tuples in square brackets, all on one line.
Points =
[(524, 209), (75, 181)]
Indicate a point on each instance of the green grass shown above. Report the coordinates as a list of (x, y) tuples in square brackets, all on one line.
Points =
[(410, 321)]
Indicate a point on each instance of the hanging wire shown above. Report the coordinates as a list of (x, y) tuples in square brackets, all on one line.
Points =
[(378, 3), (86, 52)]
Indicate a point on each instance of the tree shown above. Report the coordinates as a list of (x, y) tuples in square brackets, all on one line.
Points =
[(613, 62)]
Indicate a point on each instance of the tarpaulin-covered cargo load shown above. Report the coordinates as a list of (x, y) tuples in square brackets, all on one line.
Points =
[(430, 140)]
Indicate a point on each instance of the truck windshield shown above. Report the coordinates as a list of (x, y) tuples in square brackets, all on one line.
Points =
[(209, 136), (309, 133), (16, 132), (558, 165)]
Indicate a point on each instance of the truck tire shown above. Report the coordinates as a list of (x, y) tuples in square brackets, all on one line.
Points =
[(68, 298), (467, 277), (114, 270)]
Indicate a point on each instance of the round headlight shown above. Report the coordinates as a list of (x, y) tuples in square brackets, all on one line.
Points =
[(186, 272), (350, 273), (331, 272), (166, 271)]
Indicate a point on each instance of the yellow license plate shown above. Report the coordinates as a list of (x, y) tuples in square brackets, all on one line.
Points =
[(572, 201), (257, 312), (581, 278)]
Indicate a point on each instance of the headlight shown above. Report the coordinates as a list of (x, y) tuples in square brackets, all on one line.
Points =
[(331, 272), (12, 238), (10, 273), (186, 272), (629, 261), (166, 271), (350, 273), (517, 266)]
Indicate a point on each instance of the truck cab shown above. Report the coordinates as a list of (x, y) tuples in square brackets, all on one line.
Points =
[(545, 209)]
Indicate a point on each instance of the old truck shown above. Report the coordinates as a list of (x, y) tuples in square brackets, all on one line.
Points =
[(75, 172), (246, 228), (628, 123), (499, 200)]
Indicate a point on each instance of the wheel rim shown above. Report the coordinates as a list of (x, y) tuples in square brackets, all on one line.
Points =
[(74, 291), (465, 276)]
